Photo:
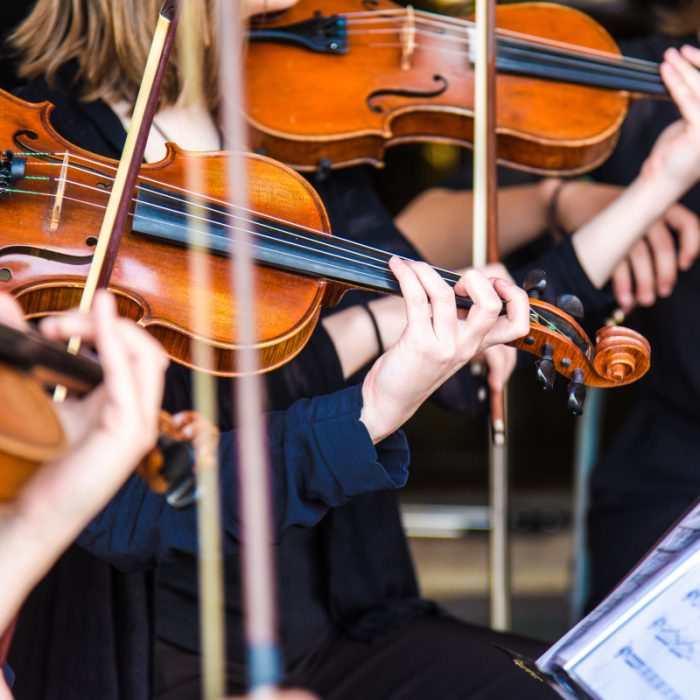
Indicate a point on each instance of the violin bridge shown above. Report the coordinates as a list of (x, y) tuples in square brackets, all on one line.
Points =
[(408, 38), (60, 194)]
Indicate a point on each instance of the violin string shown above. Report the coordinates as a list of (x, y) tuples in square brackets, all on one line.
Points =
[(642, 80), (514, 38), (327, 241), (335, 246), (523, 40), (334, 251), (459, 23), (334, 263), (581, 61)]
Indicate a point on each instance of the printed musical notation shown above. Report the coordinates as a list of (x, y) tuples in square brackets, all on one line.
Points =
[(643, 641)]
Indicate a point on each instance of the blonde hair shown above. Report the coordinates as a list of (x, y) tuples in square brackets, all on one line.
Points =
[(682, 20), (108, 41)]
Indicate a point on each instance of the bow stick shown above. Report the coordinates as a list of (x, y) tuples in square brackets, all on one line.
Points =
[(258, 572), (210, 568), (119, 202), (485, 249)]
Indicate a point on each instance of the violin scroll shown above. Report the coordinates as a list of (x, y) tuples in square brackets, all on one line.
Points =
[(621, 354)]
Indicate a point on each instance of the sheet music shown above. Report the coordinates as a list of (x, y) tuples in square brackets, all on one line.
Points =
[(682, 538), (655, 653)]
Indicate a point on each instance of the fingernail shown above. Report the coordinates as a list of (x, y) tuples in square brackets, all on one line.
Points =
[(664, 292), (625, 300)]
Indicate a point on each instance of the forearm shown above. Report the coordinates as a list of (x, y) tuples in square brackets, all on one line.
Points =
[(48, 516), (606, 239), (354, 338), (320, 456), (439, 222)]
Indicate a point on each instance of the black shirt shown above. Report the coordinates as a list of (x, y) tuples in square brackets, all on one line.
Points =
[(658, 450)]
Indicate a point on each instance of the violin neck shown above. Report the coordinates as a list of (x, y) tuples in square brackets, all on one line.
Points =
[(275, 243), (48, 362), (561, 64)]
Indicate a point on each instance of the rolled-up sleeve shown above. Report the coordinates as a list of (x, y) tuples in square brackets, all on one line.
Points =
[(320, 456)]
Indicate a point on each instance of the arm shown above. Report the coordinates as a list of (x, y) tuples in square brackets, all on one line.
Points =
[(327, 450), (438, 222), (63, 496), (320, 456)]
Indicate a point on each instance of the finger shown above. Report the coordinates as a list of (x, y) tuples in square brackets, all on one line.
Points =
[(501, 360), (663, 250), (147, 364), (642, 269), (417, 306), (442, 302), (622, 286), (483, 314), (68, 325), (691, 54), (119, 382), (11, 313), (515, 323), (687, 225), (684, 87)]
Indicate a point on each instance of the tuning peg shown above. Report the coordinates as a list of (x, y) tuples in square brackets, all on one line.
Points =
[(571, 304), (577, 392), (545, 368), (535, 283)]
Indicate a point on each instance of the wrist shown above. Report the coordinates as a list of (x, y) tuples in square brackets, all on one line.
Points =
[(375, 416), (551, 193)]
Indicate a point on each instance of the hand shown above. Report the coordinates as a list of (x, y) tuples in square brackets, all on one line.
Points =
[(500, 359), (651, 268), (62, 497), (11, 313), (124, 410), (438, 340), (675, 158)]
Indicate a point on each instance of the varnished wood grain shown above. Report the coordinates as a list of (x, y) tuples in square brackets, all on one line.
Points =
[(304, 106)]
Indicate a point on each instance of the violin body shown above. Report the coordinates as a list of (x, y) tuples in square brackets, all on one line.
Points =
[(52, 199), (309, 108), (45, 254), (30, 432)]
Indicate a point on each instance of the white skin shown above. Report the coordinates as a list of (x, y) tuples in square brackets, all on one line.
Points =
[(641, 216), (120, 424)]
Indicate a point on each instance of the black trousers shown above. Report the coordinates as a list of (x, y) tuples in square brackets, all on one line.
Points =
[(427, 659)]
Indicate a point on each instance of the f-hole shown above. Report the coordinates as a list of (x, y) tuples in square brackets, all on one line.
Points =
[(373, 97)]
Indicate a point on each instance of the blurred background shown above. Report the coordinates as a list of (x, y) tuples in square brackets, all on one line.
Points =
[(444, 503)]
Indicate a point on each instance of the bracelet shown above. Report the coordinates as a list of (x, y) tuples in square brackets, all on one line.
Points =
[(375, 325), (556, 230)]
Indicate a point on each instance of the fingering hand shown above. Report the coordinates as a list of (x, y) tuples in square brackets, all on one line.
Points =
[(675, 158), (438, 339)]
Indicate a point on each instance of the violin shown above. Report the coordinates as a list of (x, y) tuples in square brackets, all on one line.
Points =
[(334, 83), (52, 196), (31, 433)]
